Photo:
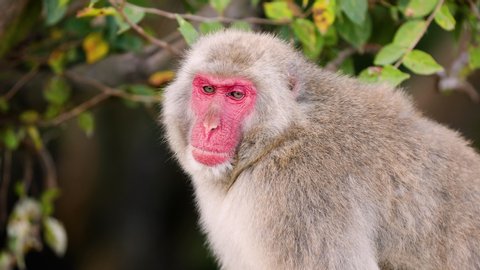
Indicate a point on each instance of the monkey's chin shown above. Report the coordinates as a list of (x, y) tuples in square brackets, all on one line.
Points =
[(209, 158)]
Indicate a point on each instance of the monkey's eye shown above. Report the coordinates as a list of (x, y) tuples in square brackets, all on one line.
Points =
[(236, 95), (208, 89)]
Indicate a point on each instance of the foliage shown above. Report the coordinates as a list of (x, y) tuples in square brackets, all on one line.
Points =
[(331, 33)]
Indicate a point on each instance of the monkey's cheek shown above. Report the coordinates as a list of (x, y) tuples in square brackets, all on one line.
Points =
[(210, 158)]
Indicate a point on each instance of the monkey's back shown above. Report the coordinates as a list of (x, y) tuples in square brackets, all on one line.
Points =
[(417, 183)]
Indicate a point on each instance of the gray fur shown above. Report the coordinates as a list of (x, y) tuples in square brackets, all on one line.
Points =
[(330, 173)]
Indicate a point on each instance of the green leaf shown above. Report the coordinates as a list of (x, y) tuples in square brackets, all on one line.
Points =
[(55, 235), (52, 111), (241, 25), (187, 30), (277, 11), (419, 8), (392, 75), (254, 3), (57, 91), (128, 43), (133, 13), (474, 57), (20, 189), (4, 105), (219, 5), (305, 31), (56, 61), (29, 116), (347, 67), (10, 138), (370, 75), (357, 35), (421, 63), (312, 52), (54, 10), (210, 27), (33, 133), (393, 10), (331, 37), (408, 33), (355, 10), (86, 122), (389, 54), (445, 19), (47, 200)]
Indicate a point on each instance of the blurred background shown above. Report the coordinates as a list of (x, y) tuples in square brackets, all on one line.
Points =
[(124, 202)]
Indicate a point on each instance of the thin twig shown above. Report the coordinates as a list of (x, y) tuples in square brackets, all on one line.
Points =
[(48, 166), (76, 111), (20, 83), (349, 51), (106, 93), (160, 43), (419, 37), (6, 175), (197, 18), (112, 91), (342, 56)]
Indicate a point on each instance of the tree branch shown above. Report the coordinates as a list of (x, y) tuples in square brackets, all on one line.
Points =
[(334, 64), (160, 43), (427, 24), (197, 18), (20, 83), (106, 93)]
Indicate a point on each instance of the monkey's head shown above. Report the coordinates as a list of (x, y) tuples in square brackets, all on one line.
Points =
[(229, 84)]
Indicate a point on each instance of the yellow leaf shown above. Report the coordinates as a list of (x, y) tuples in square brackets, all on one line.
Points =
[(323, 14), (94, 12), (95, 47), (160, 77)]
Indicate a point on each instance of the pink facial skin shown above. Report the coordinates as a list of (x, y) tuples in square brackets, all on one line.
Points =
[(220, 105)]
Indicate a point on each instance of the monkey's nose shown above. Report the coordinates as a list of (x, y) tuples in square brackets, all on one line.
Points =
[(210, 124)]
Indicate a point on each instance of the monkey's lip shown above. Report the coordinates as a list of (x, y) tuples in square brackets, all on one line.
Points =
[(210, 158)]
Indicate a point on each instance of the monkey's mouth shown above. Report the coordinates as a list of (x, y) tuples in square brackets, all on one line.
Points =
[(210, 158)]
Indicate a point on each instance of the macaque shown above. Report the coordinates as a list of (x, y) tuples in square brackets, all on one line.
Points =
[(295, 167)]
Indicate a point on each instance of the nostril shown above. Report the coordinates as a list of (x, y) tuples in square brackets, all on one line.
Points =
[(210, 126)]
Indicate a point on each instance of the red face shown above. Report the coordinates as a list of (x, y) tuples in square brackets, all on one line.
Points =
[(220, 106)]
